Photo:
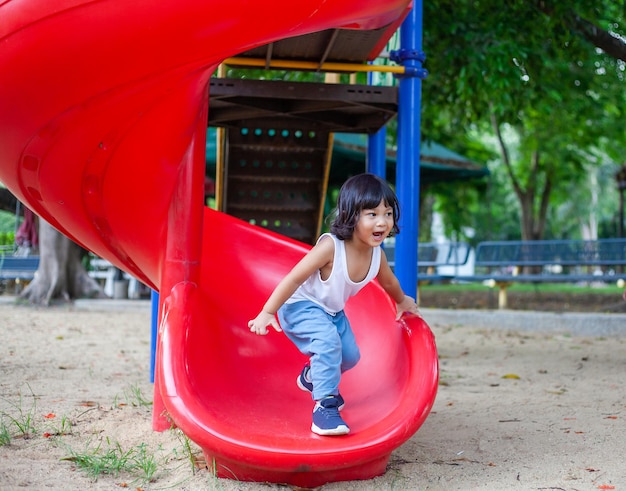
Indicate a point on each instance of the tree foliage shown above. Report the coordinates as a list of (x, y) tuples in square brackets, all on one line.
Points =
[(531, 76)]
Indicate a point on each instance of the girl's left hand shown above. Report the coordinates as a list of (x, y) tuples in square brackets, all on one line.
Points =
[(407, 305)]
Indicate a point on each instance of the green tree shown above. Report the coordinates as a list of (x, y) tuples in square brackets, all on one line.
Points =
[(531, 75)]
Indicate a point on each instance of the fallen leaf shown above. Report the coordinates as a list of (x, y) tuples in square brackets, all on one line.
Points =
[(50, 416), (606, 486), (512, 376), (611, 417)]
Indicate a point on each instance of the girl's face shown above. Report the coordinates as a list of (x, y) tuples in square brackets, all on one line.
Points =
[(374, 225)]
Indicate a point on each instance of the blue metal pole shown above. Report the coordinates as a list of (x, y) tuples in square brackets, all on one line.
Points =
[(154, 302), (408, 156), (376, 156)]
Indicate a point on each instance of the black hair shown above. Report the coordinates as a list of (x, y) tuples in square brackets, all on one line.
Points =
[(362, 192)]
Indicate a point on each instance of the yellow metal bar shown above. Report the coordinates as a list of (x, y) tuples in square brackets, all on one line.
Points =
[(327, 159), (220, 161), (311, 65)]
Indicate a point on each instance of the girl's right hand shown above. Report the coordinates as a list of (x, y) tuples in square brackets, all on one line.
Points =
[(259, 324)]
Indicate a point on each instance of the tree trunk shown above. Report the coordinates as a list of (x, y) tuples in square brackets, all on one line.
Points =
[(61, 274)]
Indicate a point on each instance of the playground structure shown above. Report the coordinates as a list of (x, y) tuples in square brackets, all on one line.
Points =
[(102, 133)]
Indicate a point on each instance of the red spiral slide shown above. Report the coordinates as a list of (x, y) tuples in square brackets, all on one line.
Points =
[(103, 111)]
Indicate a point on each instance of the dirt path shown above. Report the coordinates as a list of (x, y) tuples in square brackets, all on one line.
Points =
[(516, 409)]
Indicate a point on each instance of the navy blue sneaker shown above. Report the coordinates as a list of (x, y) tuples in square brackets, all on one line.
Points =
[(326, 419), (304, 382)]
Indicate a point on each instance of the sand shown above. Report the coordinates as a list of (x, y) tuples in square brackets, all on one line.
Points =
[(526, 401)]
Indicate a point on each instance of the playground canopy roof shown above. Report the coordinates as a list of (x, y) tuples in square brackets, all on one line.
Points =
[(437, 163), (328, 46)]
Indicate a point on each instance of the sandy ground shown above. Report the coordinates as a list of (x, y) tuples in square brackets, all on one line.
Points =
[(526, 402)]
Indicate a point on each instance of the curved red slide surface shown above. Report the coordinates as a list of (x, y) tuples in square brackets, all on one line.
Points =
[(103, 110)]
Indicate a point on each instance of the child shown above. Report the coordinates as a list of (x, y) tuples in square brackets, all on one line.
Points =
[(310, 299)]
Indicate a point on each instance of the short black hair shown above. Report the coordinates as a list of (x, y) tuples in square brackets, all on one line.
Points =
[(362, 192)]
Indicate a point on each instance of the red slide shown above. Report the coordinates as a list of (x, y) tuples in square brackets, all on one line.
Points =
[(103, 111)]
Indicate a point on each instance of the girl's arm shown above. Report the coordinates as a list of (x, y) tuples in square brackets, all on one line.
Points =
[(391, 285), (318, 257)]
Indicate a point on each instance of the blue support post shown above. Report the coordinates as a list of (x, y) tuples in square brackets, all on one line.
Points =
[(376, 158), (408, 156), (376, 161), (154, 302)]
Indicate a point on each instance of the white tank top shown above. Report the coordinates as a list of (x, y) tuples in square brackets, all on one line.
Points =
[(333, 293)]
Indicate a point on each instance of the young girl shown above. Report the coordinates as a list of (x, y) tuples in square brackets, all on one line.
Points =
[(311, 298)]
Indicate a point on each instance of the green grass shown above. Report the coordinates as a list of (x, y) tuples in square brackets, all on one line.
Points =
[(187, 449), (59, 427), (133, 396), (18, 420), (110, 458), (566, 288), (5, 433), (140, 464)]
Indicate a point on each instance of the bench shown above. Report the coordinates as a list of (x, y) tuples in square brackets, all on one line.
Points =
[(108, 275), (18, 268), (23, 268), (430, 257), (502, 263)]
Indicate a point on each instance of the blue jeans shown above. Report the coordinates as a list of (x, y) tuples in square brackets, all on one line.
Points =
[(326, 339)]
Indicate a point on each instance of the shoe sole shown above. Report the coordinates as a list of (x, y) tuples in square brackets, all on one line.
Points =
[(340, 430), (306, 389), (301, 385)]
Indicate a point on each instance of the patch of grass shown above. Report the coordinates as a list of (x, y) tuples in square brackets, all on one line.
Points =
[(18, 421), (139, 464), (569, 288), (197, 461), (213, 480), (133, 396), (145, 463), (5, 434), (187, 451), (112, 459), (59, 427)]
